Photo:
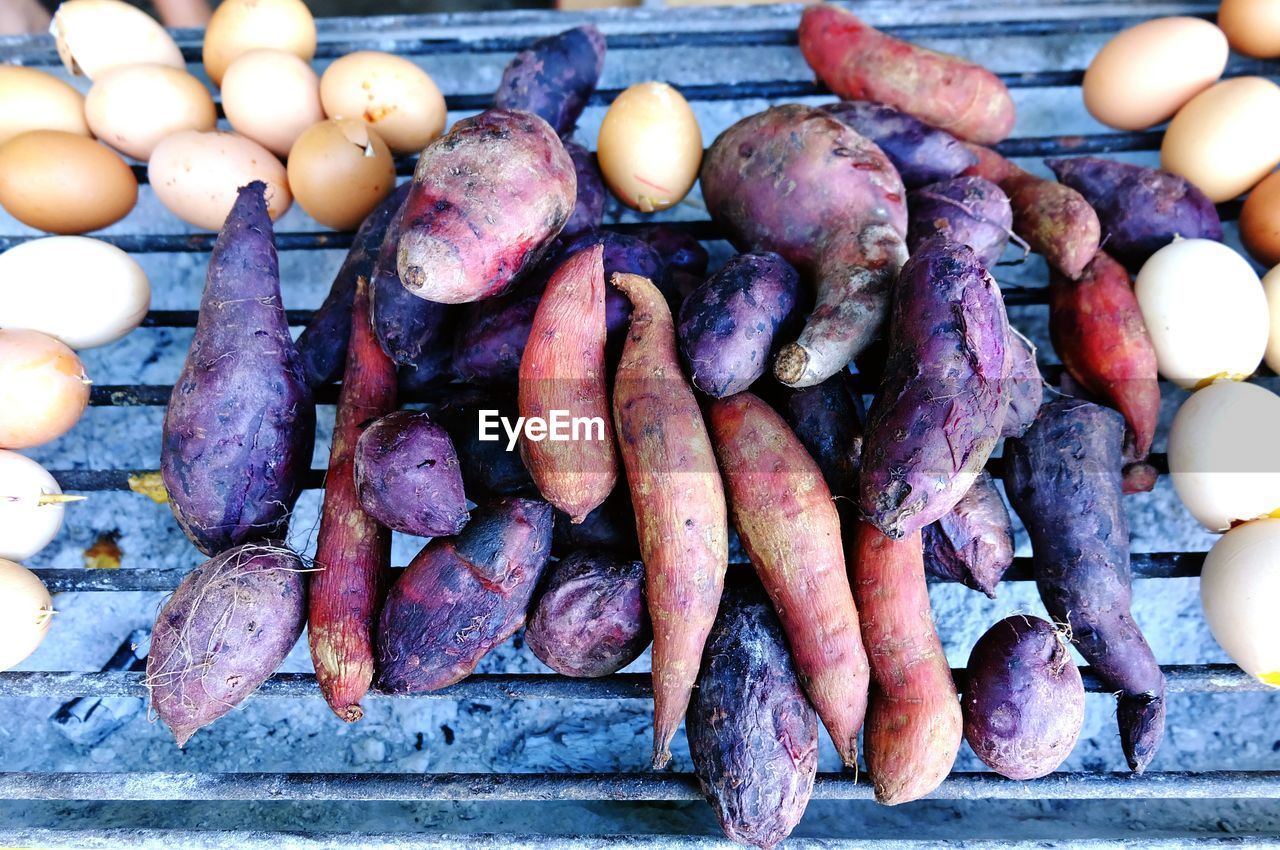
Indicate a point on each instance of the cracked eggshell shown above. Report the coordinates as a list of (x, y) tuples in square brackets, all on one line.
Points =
[(94, 36), (26, 610), (650, 147), (389, 93), (1239, 586), (28, 518), (196, 175), (339, 171)]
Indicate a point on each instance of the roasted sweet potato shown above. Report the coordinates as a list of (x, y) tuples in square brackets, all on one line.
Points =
[(240, 426), (474, 220), (462, 596), (684, 257), (554, 77), (969, 210), (222, 633), (941, 403), (591, 618), (588, 208), (752, 734), (1063, 478), (610, 527), (1025, 386), (681, 518), (858, 62), (973, 542), (623, 254), (921, 153), (490, 467), (827, 418), (408, 475)]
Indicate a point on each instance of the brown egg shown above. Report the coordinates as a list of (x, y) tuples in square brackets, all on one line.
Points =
[(43, 389), (196, 175), (238, 26), (135, 107), (64, 183), (1260, 221), (1252, 26), (94, 36), (650, 147), (271, 96), (339, 170), (388, 92), (1227, 138), (34, 100)]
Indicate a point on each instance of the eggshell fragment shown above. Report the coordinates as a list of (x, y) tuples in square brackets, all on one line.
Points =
[(133, 108), (650, 147), (34, 100), (31, 506), (43, 389), (1227, 138), (389, 93), (196, 175), (26, 610), (238, 26), (64, 183), (94, 36), (339, 171), (271, 96)]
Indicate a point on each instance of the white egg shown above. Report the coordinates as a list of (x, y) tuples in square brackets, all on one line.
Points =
[(1271, 286), (1239, 587), (1224, 458), (25, 613), (1205, 311), (83, 291), (31, 505)]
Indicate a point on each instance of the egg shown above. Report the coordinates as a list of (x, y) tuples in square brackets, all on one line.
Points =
[(650, 147), (34, 100), (1205, 311), (1260, 221), (64, 183), (1252, 27), (82, 291), (26, 610), (389, 93), (271, 96), (1227, 138), (196, 175), (1224, 459), (238, 26), (1239, 586), (1271, 288), (339, 170), (1144, 74), (31, 506), (43, 389), (134, 108), (94, 36)]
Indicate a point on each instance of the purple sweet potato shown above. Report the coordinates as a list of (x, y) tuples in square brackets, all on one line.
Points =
[(1063, 478), (1024, 703), (921, 153), (827, 418), (588, 209), (727, 325), (474, 220), (969, 210), (610, 527), (408, 475), (684, 257), (1140, 209), (1025, 386), (973, 542), (591, 618), (462, 596), (941, 403), (225, 630), (490, 467), (752, 734), (240, 427), (554, 77), (623, 254)]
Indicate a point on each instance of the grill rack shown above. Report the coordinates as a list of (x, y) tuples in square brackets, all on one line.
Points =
[(636, 30)]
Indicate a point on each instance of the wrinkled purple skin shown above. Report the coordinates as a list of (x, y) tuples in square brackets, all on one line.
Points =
[(226, 630), (591, 619), (968, 210), (488, 469), (752, 734), (922, 154), (610, 527), (462, 596), (1063, 478), (941, 403), (588, 211), (241, 422), (727, 326), (554, 77), (685, 258), (1025, 386), (827, 418), (1024, 702), (408, 476), (973, 542), (1141, 209), (323, 344)]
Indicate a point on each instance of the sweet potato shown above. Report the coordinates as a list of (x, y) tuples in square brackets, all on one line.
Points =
[(623, 254), (914, 725), (941, 403), (858, 62), (752, 735), (799, 182), (240, 427), (684, 257), (827, 418), (969, 210), (474, 220), (489, 468), (679, 502), (408, 475), (462, 596), (1025, 386), (1140, 209), (1024, 702), (1063, 478), (554, 77), (610, 527), (223, 632), (921, 153), (588, 208), (353, 552), (788, 524), (590, 619), (973, 542), (727, 325)]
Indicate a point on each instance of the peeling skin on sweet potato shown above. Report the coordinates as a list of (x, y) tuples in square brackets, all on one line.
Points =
[(827, 418), (973, 542), (858, 62), (462, 596), (789, 527), (408, 475), (225, 631), (752, 734), (591, 619), (969, 210), (681, 518), (488, 198), (554, 77), (1063, 478), (1025, 385), (588, 209), (921, 154)]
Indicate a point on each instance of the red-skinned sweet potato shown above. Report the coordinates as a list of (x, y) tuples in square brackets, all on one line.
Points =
[(973, 542), (857, 62), (1025, 386), (554, 77), (922, 154), (681, 518), (408, 475), (969, 210)]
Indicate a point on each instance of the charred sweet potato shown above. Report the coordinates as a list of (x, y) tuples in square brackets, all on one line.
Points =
[(969, 210), (408, 475), (973, 542), (554, 77), (921, 153), (610, 527)]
